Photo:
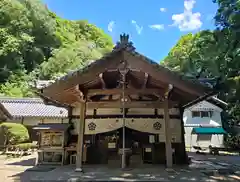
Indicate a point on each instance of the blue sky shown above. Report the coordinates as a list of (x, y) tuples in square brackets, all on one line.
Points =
[(154, 26)]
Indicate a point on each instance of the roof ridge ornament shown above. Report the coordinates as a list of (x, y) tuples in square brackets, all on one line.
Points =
[(124, 43), (124, 38)]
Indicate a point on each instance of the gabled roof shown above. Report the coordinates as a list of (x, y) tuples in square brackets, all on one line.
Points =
[(123, 51), (205, 105), (217, 102), (31, 107)]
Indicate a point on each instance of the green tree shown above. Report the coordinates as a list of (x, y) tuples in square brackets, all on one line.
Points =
[(36, 43), (27, 36), (227, 15), (71, 57), (18, 85), (215, 54), (90, 32), (178, 56)]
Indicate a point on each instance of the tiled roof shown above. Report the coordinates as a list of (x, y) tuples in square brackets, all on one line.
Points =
[(32, 107)]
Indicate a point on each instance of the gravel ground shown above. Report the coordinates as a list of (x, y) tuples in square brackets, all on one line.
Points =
[(203, 168)]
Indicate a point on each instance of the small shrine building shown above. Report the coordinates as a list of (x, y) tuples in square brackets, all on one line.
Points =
[(126, 108)]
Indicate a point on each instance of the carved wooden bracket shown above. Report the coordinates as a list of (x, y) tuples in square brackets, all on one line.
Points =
[(102, 80), (146, 76), (168, 90)]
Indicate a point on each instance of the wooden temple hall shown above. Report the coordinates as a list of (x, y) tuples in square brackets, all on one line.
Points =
[(124, 109)]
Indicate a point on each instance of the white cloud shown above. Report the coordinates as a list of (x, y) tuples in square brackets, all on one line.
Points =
[(157, 26), (163, 9), (187, 21), (111, 25), (189, 4), (138, 28)]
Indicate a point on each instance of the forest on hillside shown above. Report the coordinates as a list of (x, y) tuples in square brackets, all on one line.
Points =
[(215, 54), (37, 44)]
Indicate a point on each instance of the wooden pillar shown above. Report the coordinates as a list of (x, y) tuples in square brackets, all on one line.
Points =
[(183, 146), (168, 135), (80, 129)]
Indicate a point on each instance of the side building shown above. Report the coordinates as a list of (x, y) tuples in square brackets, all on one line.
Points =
[(203, 124), (31, 112)]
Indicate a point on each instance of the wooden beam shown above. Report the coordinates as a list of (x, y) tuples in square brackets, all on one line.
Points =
[(66, 96), (128, 91), (133, 104), (69, 99), (50, 101)]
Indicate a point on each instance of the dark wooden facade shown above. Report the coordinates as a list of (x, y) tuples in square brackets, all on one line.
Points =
[(146, 84)]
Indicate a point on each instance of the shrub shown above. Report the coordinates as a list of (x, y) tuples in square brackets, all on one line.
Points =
[(14, 133)]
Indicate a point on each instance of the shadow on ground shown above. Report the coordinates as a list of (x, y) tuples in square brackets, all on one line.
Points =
[(25, 171), (28, 162), (101, 173)]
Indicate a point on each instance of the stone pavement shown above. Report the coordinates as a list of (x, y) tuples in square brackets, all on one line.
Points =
[(203, 168)]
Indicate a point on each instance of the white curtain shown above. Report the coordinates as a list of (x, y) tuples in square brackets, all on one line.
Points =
[(146, 125), (94, 126)]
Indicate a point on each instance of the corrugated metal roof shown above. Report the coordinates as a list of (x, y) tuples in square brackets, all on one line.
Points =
[(32, 107)]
